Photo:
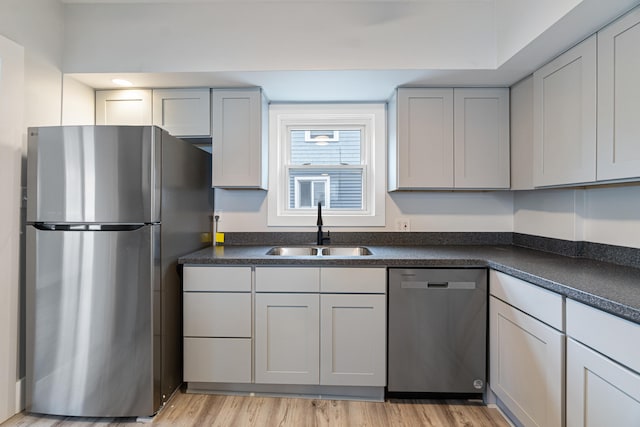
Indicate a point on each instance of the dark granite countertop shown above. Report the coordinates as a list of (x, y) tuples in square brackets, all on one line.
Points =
[(609, 287)]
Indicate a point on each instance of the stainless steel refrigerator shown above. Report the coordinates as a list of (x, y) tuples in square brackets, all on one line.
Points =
[(109, 210)]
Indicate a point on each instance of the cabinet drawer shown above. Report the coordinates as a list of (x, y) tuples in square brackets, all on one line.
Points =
[(612, 336), (287, 279), (353, 280), (224, 360), (231, 279), (217, 314), (540, 303)]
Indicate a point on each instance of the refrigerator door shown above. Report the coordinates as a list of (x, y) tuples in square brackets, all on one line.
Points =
[(90, 322), (93, 174)]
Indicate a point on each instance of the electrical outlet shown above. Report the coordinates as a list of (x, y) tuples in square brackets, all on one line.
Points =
[(403, 224)]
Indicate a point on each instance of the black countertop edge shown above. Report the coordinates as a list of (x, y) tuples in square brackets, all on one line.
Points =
[(609, 287)]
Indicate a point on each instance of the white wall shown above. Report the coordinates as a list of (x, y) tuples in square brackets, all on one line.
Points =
[(30, 96), (78, 103), (262, 36), (613, 216), (548, 213), (11, 133), (519, 22), (246, 210), (37, 25), (609, 215)]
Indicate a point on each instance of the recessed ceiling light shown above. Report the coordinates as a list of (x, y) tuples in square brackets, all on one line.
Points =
[(122, 82)]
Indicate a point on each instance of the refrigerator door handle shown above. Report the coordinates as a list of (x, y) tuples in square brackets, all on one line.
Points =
[(87, 227)]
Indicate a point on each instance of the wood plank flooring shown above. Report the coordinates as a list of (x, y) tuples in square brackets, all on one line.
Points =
[(187, 410)]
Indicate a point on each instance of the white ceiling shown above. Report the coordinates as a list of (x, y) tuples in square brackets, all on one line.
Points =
[(286, 81), (276, 1)]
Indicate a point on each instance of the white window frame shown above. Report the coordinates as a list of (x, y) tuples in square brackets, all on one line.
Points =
[(371, 118)]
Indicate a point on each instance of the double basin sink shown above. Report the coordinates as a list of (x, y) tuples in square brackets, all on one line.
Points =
[(319, 251)]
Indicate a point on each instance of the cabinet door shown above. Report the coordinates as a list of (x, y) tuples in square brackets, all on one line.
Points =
[(526, 365), (223, 360), (564, 113), (424, 150), (521, 134), (239, 138), (619, 99), (481, 138), (287, 338), (599, 391), (183, 112), (353, 343), (123, 107)]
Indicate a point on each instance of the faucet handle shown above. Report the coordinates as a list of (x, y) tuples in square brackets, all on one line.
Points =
[(328, 238)]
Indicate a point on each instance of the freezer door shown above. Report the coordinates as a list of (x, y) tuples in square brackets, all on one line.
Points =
[(90, 322), (98, 174)]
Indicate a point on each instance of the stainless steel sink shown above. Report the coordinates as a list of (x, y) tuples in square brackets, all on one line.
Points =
[(293, 251), (318, 251), (344, 251)]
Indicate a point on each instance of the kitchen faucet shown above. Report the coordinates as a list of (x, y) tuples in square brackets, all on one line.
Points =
[(321, 239)]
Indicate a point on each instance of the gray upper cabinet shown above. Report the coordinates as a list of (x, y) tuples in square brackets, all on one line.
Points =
[(619, 99), (239, 138), (123, 107), (481, 138), (183, 112), (449, 138), (564, 117), (521, 102), (585, 104), (421, 139)]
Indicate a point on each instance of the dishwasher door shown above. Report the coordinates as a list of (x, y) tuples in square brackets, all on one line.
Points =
[(437, 330)]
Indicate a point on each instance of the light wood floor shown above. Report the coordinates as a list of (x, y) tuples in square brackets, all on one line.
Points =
[(186, 410)]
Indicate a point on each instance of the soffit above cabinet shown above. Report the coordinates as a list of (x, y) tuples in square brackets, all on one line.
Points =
[(357, 50)]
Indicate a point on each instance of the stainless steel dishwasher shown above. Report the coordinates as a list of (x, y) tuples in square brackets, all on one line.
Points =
[(437, 331)]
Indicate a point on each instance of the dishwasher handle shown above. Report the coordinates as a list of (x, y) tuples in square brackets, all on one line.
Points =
[(437, 285)]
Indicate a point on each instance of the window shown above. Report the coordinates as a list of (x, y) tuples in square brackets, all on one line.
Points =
[(332, 154), (311, 190)]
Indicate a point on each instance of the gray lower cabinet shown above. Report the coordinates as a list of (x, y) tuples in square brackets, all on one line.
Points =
[(603, 368), (287, 338), (352, 340), (588, 375), (304, 326), (526, 350), (332, 331), (217, 324)]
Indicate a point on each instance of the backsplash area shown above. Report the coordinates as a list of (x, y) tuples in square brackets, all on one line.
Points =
[(601, 252), (597, 251), (371, 238)]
